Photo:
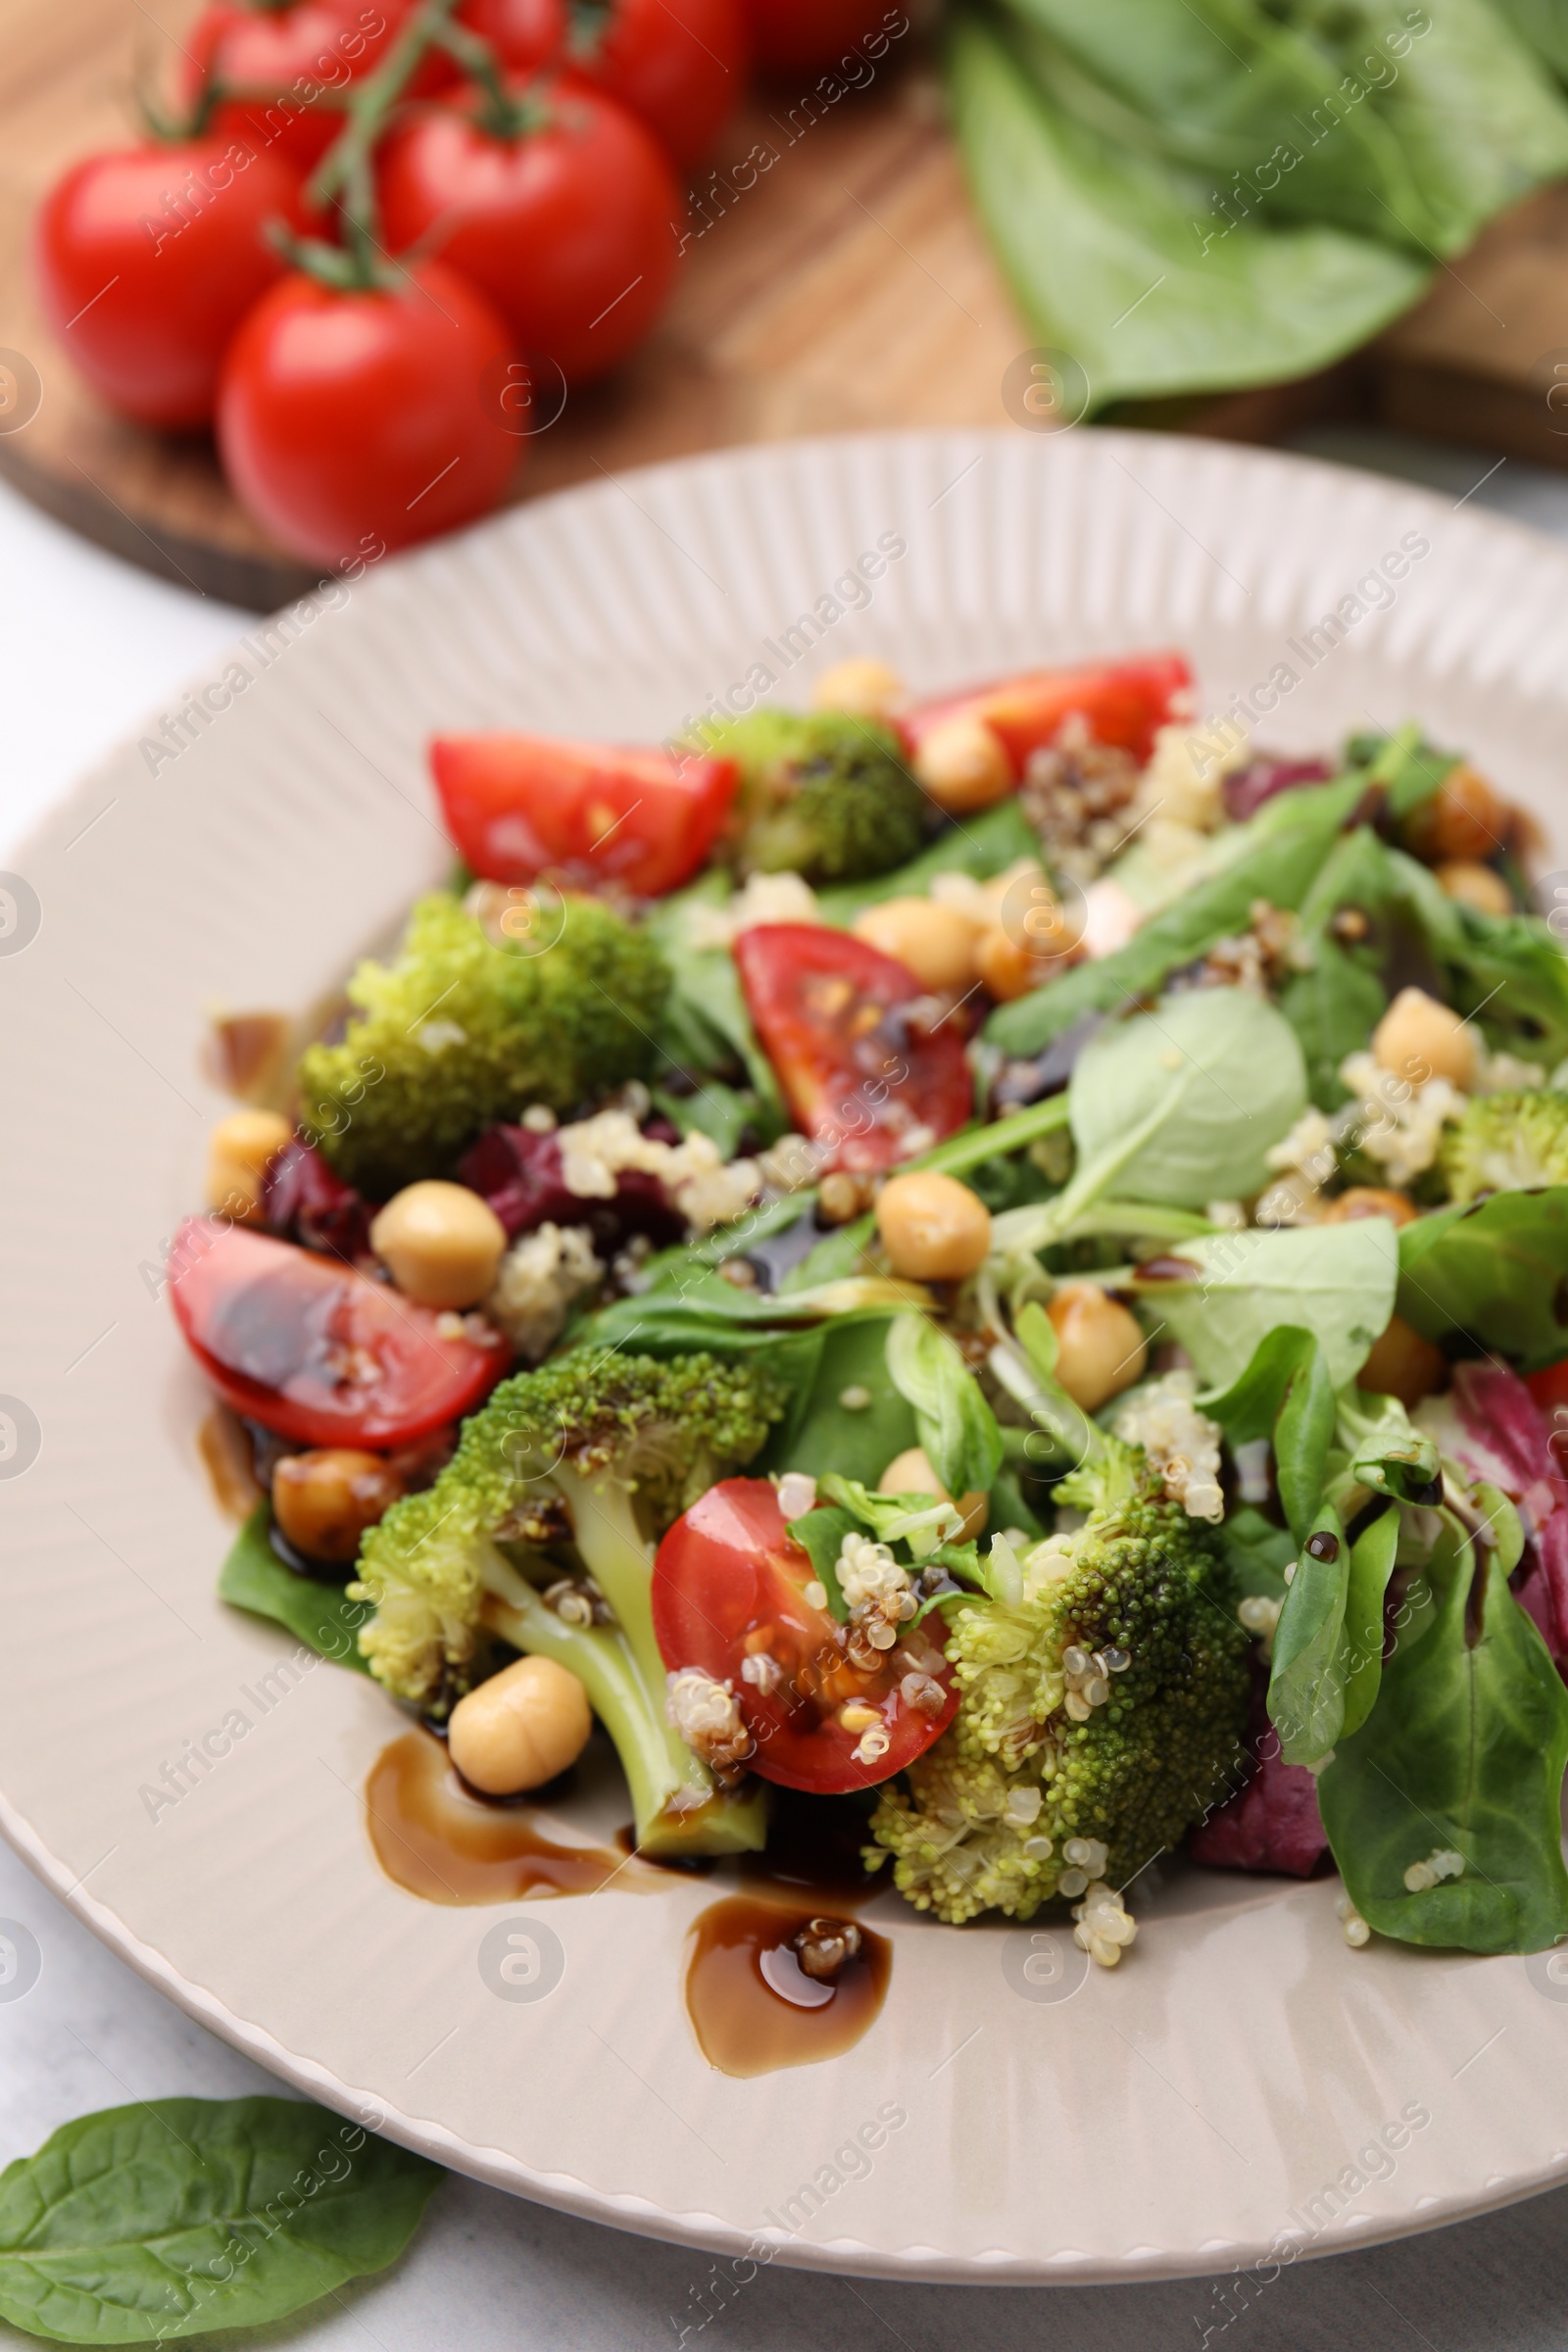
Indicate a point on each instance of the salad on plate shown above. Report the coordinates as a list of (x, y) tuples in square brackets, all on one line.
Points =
[(999, 1263)]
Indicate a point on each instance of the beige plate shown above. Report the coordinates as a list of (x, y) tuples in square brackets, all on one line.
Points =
[(1177, 2116)]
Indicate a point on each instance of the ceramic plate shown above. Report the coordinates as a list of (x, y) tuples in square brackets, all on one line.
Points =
[(1247, 2082)]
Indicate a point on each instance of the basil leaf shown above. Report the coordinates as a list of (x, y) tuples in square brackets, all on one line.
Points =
[(1495, 1269), (1371, 1566), (1337, 1281), (318, 1614), (958, 1430), (1306, 1688), (180, 2216), (821, 1534), (1464, 1750), (1215, 1076)]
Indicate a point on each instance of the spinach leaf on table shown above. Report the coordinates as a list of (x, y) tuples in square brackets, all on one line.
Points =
[(176, 2217), (1096, 234), (1465, 1750), (316, 1611), (1496, 1270)]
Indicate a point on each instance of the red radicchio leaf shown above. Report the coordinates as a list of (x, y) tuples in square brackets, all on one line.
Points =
[(519, 1173), (1273, 1822), (1260, 779), (1492, 1427)]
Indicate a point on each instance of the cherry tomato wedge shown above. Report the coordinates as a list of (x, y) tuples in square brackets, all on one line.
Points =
[(314, 1350), (1123, 703), (519, 806), (860, 1074), (730, 1587)]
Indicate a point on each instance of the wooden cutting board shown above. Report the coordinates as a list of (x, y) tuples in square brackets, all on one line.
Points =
[(847, 287)]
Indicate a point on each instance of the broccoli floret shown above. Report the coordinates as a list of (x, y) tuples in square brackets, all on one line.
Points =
[(1507, 1143), (1099, 1711), (579, 1467), (821, 794), (459, 1031)]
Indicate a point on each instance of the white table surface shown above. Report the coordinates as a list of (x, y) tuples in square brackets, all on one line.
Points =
[(88, 645)]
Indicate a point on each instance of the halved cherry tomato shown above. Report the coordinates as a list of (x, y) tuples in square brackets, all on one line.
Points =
[(1121, 702), (861, 1073), (730, 1587), (314, 1350), (587, 814)]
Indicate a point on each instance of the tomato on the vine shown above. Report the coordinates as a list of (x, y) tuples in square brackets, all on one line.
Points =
[(806, 37), (871, 1066), (678, 64), (287, 66), (149, 257), (732, 1591), (586, 813), (570, 226), (526, 35), (343, 414), (314, 1350)]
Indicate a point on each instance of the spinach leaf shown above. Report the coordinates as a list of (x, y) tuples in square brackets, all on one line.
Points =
[(671, 1269), (1103, 241), (1292, 838), (1256, 1553), (981, 846), (176, 2217), (823, 1434), (1371, 1566), (1306, 1688), (1542, 25), (1009, 1509), (1336, 1281), (1285, 1395), (820, 1535), (318, 1613), (924, 1522), (1216, 1078), (1494, 1269), (956, 1428), (1464, 1750), (1026, 1367), (1386, 1451), (706, 1025)]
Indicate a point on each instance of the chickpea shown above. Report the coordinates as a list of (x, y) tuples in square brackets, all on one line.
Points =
[(933, 1228), (1476, 886), (912, 1473), (935, 943), (441, 1244), (522, 1728), (324, 1500), (1464, 818), (1006, 967), (1419, 1039), (237, 1153), (1101, 1349), (866, 688), (963, 764), (1369, 1201), (1403, 1364)]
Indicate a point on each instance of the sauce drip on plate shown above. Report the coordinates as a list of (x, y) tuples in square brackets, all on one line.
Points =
[(754, 2008), (435, 1838)]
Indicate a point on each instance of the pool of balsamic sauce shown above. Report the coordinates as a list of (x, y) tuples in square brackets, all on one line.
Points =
[(751, 2007)]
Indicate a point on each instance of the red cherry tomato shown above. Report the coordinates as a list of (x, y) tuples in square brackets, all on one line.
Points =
[(286, 65), (525, 35), (730, 1585), (345, 417), (149, 258), (314, 1350), (1122, 702), (804, 36), (585, 813), (1549, 1387), (680, 64), (858, 1075), (570, 229)]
